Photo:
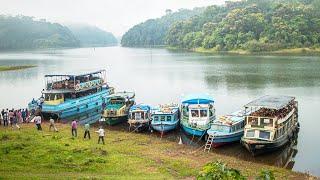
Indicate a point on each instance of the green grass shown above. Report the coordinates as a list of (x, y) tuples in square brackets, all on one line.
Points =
[(29, 154), (12, 68)]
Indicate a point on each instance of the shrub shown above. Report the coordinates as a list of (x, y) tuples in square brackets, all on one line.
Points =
[(265, 175), (218, 170)]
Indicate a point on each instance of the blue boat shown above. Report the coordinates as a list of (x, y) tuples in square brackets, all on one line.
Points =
[(228, 128), (197, 114), (139, 117), (165, 118), (67, 97)]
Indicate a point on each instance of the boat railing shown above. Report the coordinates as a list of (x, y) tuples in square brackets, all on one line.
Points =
[(74, 85)]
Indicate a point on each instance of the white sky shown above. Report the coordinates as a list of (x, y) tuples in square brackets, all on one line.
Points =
[(115, 16)]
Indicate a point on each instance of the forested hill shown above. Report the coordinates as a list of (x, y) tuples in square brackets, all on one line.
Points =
[(251, 25), (22, 32), (92, 36), (153, 31)]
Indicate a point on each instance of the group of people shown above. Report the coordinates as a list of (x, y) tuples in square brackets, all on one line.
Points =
[(74, 127), (13, 117)]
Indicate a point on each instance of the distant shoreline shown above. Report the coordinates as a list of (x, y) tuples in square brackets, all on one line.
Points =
[(12, 68), (293, 51)]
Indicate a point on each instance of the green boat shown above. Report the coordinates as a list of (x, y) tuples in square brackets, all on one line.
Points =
[(117, 108)]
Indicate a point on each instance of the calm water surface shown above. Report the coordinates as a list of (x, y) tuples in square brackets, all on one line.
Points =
[(161, 76)]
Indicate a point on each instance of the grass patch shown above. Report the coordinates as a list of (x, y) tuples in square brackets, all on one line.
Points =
[(12, 68), (55, 155)]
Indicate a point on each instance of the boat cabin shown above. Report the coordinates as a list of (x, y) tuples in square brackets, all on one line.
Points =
[(139, 113), (119, 104), (229, 123), (165, 114), (198, 109), (270, 118), (63, 87)]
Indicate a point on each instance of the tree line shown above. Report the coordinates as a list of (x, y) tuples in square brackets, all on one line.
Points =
[(23, 32), (252, 25)]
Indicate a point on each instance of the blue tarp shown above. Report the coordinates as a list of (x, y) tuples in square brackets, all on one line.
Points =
[(197, 99)]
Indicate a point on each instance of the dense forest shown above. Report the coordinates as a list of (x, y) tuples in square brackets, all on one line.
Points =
[(252, 25), (153, 31), (92, 36), (23, 32)]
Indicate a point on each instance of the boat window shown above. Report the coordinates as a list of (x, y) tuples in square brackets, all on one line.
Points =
[(162, 118), (156, 118), (194, 113), (233, 128), (253, 121), (142, 115), (168, 118), (266, 122), (264, 135), (133, 116), (203, 113), (250, 133), (221, 128)]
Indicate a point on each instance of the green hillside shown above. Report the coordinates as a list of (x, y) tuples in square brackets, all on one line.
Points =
[(23, 32)]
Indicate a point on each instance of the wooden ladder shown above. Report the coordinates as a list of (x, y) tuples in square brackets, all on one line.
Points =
[(209, 143)]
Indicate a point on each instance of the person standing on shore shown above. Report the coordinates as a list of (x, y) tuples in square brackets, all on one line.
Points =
[(23, 115), (101, 135), (15, 119), (52, 125), (86, 131), (5, 118), (37, 120), (74, 128), (1, 116), (10, 115)]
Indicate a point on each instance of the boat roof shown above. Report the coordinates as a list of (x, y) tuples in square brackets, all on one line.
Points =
[(234, 117), (75, 75), (271, 102), (165, 109), (124, 94), (141, 107), (197, 99)]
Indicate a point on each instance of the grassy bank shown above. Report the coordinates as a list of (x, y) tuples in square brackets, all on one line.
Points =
[(30, 154), (12, 68), (295, 51)]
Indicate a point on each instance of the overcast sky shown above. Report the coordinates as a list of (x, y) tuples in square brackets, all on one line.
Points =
[(115, 16)]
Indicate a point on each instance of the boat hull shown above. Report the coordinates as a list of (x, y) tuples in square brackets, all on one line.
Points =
[(139, 127), (220, 140), (116, 120), (164, 127), (90, 106), (193, 131), (262, 147)]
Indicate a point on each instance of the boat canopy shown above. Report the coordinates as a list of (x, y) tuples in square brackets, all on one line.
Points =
[(271, 102), (165, 109), (197, 99), (140, 107), (75, 75)]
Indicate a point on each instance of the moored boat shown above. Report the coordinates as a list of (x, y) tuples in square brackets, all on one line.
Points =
[(139, 117), (117, 108), (197, 114), (271, 125), (68, 96), (165, 118), (228, 128)]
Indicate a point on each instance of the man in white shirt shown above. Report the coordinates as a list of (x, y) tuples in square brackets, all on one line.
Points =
[(101, 135), (37, 120)]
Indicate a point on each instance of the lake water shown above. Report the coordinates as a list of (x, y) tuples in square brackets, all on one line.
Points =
[(162, 76)]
